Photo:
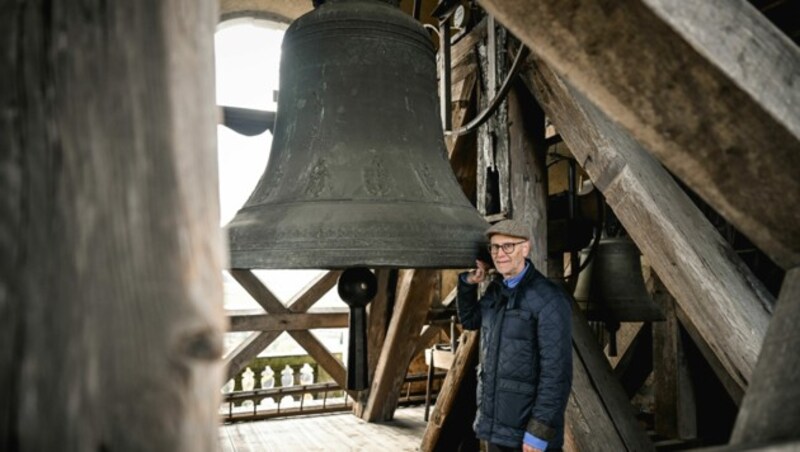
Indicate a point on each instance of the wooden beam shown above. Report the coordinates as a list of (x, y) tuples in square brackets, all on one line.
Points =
[(378, 322), (465, 46), (527, 169), (675, 405), (314, 291), (414, 297), (247, 350), (463, 92), (734, 387), (626, 336), (770, 411), (110, 247), (238, 358), (288, 322), (591, 366), (425, 338), (465, 359), (587, 421), (379, 317), (709, 88), (636, 364), (728, 305), (460, 150), (493, 177)]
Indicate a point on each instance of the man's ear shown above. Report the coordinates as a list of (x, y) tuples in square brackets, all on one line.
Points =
[(527, 247)]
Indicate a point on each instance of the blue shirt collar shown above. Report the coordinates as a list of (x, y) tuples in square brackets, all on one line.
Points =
[(514, 280)]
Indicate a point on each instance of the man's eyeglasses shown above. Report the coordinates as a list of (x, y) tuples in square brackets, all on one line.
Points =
[(507, 248)]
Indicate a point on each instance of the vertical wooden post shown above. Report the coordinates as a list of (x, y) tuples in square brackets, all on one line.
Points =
[(674, 399), (414, 295), (770, 409), (378, 319), (110, 247), (527, 171)]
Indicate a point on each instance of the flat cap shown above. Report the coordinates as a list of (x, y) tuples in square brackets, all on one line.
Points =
[(513, 228)]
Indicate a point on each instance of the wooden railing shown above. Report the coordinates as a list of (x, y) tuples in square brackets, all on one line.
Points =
[(325, 404)]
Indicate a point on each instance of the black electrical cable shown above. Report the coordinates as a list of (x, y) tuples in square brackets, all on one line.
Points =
[(498, 99)]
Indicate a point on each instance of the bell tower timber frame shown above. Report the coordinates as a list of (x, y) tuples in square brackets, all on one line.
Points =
[(111, 255)]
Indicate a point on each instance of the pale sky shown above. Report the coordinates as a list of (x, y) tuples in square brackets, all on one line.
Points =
[(247, 62)]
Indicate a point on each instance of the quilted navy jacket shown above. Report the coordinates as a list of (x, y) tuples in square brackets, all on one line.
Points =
[(525, 374)]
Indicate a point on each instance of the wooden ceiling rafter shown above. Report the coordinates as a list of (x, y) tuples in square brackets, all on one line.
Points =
[(716, 107), (727, 303)]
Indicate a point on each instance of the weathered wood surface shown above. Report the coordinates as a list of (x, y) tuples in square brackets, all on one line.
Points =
[(710, 88), (414, 297), (727, 304), (733, 386), (597, 393), (626, 337), (493, 179), (587, 421), (377, 324), (332, 432), (527, 171), (465, 360), (313, 292), (288, 322), (426, 337), (675, 405), (378, 317), (274, 10), (770, 411), (111, 315), (636, 363), (238, 358)]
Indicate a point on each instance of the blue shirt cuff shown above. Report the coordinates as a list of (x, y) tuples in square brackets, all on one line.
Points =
[(534, 441)]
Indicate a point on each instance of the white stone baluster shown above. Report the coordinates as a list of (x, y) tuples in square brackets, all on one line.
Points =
[(287, 380), (248, 384), (267, 382), (267, 378), (307, 378)]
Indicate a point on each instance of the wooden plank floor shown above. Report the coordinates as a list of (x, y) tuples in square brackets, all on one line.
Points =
[(328, 432)]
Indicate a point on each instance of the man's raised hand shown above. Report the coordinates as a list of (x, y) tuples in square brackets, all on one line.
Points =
[(478, 275)]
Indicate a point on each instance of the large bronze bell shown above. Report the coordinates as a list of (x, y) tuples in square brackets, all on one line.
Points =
[(358, 173)]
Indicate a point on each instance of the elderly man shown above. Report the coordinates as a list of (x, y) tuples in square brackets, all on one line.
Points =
[(525, 370)]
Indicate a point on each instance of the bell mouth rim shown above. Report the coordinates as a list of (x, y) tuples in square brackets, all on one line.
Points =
[(391, 202), (340, 259)]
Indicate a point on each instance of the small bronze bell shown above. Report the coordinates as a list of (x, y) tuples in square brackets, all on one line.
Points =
[(617, 287), (611, 288)]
